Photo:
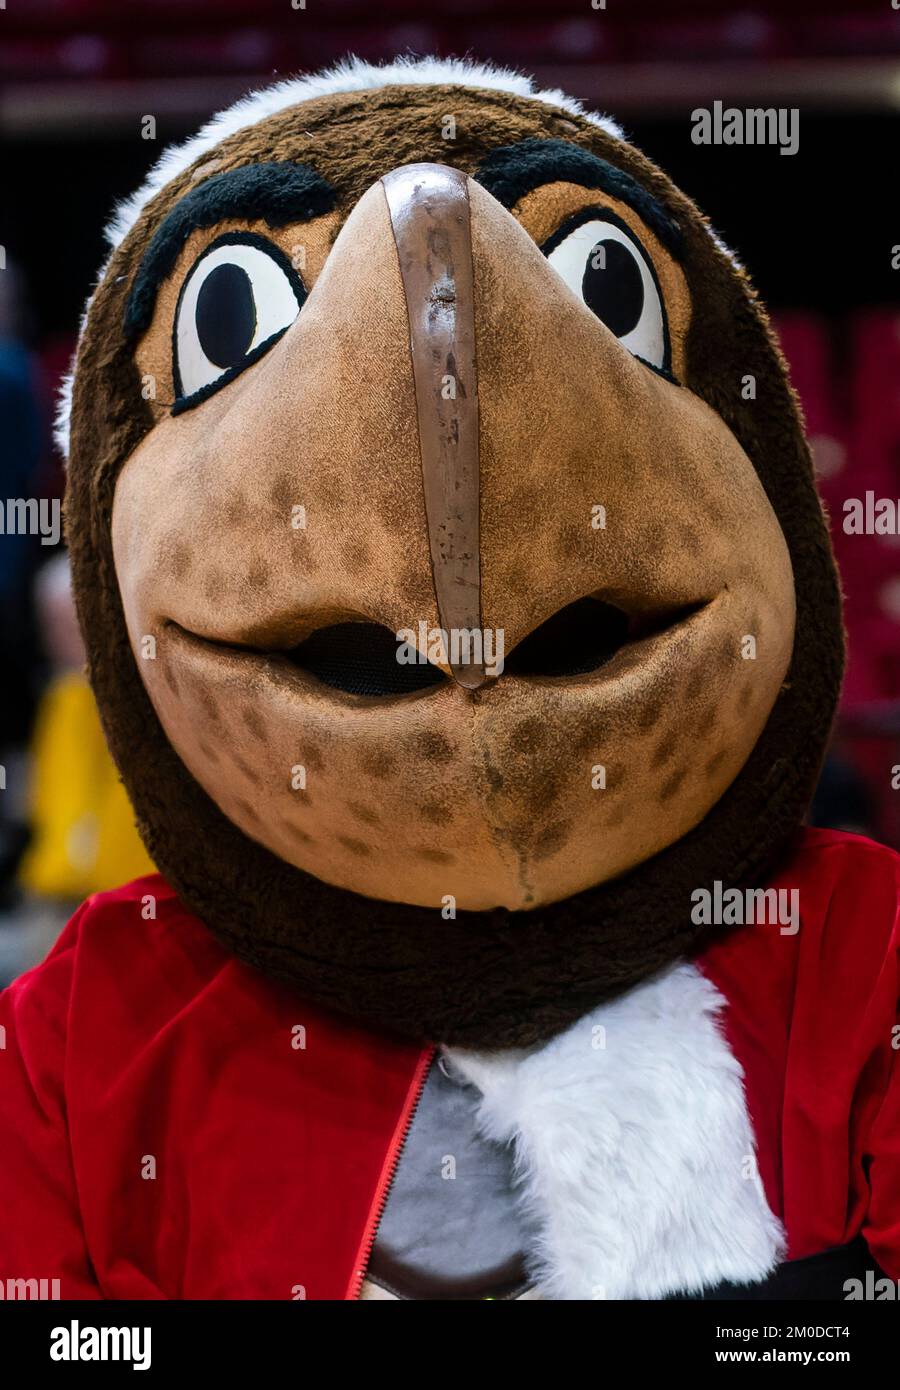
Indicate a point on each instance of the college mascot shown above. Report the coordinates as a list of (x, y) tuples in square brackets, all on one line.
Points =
[(467, 635)]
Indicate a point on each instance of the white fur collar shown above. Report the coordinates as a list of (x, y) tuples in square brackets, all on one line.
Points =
[(634, 1147)]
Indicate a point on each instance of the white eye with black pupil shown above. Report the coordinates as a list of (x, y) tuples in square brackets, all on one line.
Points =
[(607, 268), (237, 300)]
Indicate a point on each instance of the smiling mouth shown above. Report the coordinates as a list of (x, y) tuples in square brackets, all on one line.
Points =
[(361, 658)]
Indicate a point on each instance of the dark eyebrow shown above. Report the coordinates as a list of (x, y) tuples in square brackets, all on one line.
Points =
[(511, 171), (278, 193)]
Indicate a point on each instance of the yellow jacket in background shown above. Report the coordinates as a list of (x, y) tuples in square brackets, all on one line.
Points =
[(84, 838)]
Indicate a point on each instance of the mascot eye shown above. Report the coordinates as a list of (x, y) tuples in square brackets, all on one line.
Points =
[(238, 299), (603, 262)]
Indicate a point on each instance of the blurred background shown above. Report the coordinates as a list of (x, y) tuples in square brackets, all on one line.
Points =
[(818, 230)]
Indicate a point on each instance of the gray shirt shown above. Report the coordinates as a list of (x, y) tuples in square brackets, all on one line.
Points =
[(451, 1226)]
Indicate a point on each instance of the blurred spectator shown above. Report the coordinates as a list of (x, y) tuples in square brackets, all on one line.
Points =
[(842, 800), (20, 456), (83, 835)]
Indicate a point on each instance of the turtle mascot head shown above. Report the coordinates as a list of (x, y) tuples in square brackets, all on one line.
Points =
[(454, 609)]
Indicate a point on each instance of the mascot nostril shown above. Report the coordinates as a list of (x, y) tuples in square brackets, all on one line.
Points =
[(468, 642)]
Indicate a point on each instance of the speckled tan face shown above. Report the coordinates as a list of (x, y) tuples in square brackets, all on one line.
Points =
[(291, 500)]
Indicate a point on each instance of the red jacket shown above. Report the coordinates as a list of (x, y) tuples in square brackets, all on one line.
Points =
[(174, 1125)]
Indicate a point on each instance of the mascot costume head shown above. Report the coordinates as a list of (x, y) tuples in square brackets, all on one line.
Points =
[(456, 592)]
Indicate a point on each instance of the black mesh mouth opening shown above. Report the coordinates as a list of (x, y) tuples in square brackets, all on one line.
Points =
[(579, 638), (361, 659)]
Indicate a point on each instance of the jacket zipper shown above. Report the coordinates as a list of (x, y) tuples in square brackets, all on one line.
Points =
[(389, 1168)]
